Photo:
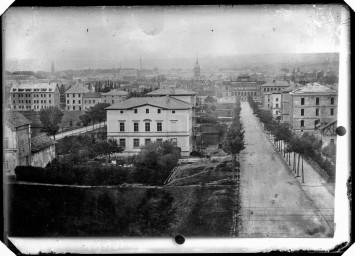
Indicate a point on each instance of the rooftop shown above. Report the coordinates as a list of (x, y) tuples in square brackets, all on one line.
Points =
[(115, 92), (38, 87), (77, 89), (40, 142), (276, 83), (161, 102), (314, 88), (15, 119), (92, 95), (171, 91)]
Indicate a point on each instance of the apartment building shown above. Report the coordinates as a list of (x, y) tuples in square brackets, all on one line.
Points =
[(114, 96), (274, 86), (74, 97), (139, 121), (34, 96), (312, 106), (90, 99), (276, 104)]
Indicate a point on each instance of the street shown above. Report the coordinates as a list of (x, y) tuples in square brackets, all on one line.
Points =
[(78, 131), (273, 202)]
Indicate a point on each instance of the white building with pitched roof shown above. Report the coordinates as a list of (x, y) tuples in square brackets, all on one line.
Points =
[(139, 121), (74, 97), (28, 96)]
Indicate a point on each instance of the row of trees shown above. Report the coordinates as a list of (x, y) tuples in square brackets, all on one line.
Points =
[(287, 142), (234, 141)]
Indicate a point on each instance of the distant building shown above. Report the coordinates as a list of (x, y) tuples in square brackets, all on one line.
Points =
[(273, 86), (139, 121), (243, 87), (90, 99), (34, 96), (17, 141), (74, 97), (267, 99), (42, 149), (286, 101), (128, 74), (168, 84), (276, 104), (312, 106), (114, 96)]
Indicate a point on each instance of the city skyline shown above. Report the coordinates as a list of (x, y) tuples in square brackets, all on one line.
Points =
[(119, 35)]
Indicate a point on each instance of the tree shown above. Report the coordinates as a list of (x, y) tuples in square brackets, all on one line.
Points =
[(210, 99), (98, 112), (51, 118), (85, 119), (107, 147)]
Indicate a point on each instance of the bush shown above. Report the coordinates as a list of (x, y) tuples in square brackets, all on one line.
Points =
[(78, 123)]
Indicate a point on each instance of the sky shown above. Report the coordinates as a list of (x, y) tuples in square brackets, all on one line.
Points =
[(118, 34)]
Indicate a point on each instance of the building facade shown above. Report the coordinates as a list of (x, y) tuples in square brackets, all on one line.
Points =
[(34, 96), (17, 141), (114, 96), (74, 97), (272, 87), (90, 99), (312, 106), (243, 87), (139, 121), (276, 104)]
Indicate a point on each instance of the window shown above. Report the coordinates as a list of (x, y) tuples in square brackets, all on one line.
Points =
[(121, 111), (67, 101), (14, 101), (73, 107), (73, 101), (79, 94), (277, 105), (317, 111), (85, 101), (332, 100), (93, 101), (73, 95), (159, 110), (79, 101), (113, 101), (135, 111), (332, 141), (277, 99), (135, 143), (159, 127), (50, 101), (6, 165), (264, 89), (6, 142), (147, 111), (123, 143), (147, 141), (147, 127), (50, 95), (317, 101), (302, 123), (41, 101), (160, 141), (89, 101), (302, 112), (302, 101), (135, 127), (332, 111), (173, 111), (121, 127)]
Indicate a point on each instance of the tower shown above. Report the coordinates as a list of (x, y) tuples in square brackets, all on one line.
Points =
[(197, 70), (52, 68)]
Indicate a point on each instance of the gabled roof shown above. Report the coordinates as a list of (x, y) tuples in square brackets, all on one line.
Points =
[(174, 91), (115, 93), (92, 95), (35, 87), (40, 142), (292, 87), (15, 119), (160, 102), (314, 88), (77, 89)]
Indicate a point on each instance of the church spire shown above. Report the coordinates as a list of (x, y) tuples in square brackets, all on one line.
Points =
[(197, 58)]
